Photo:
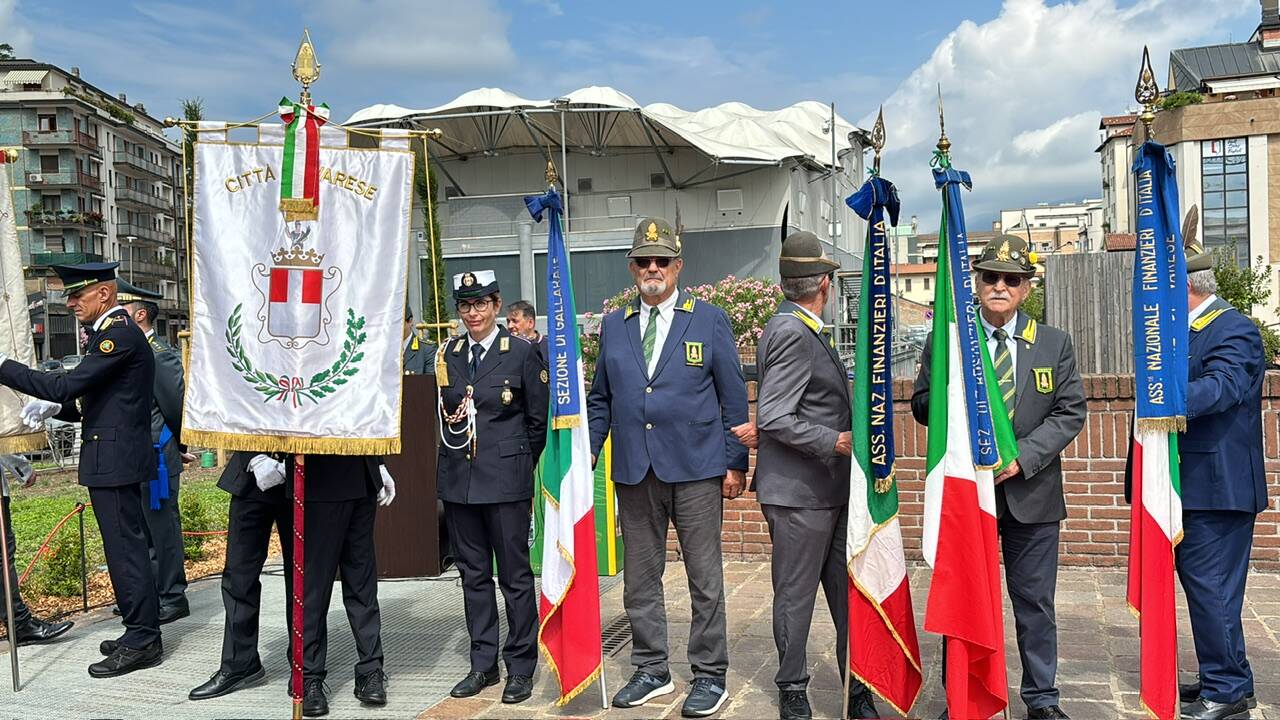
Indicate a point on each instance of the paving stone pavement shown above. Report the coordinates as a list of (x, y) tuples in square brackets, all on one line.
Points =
[(425, 644)]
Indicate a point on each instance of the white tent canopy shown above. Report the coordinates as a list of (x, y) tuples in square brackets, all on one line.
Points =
[(489, 120)]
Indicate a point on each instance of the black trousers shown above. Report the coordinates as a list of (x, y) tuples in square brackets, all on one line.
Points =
[(480, 534), (164, 536), (20, 610), (340, 535), (124, 539), (248, 540)]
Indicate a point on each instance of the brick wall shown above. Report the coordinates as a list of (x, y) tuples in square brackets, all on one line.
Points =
[(1096, 531)]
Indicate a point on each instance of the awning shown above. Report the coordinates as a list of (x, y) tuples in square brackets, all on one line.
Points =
[(25, 77)]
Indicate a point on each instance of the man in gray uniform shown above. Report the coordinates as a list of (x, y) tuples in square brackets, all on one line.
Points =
[(1035, 366), (419, 355), (160, 497), (802, 471)]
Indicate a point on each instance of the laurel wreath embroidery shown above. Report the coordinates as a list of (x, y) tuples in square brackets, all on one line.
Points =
[(292, 388)]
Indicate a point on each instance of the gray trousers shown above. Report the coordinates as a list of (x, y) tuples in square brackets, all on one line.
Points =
[(697, 511), (1031, 575), (164, 539)]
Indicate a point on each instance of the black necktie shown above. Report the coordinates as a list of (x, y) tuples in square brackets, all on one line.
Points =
[(477, 350)]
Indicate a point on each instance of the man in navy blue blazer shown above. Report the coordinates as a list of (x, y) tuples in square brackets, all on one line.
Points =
[(668, 386), (1223, 490)]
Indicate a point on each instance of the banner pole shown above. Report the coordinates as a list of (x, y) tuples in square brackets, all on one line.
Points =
[(10, 620), (295, 661)]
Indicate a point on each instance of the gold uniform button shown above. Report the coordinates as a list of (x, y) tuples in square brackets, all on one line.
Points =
[(648, 426), (95, 437), (649, 390), (468, 456)]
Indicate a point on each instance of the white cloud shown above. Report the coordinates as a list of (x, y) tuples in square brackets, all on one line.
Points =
[(12, 30), (434, 38), (550, 7), (1023, 93)]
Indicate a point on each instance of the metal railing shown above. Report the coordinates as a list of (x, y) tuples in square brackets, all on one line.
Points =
[(51, 138), (143, 231), (146, 166), (63, 179), (64, 258), (141, 198)]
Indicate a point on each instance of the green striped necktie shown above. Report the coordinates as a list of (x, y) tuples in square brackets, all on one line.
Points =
[(1004, 367), (650, 335)]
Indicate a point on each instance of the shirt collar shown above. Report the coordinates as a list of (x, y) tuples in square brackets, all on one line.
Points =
[(1201, 308), (97, 324), (1009, 327), (487, 341), (821, 325), (665, 308)]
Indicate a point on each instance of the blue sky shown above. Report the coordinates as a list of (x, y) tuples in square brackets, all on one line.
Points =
[(1025, 81)]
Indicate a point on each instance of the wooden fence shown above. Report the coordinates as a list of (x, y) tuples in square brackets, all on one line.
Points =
[(1090, 297)]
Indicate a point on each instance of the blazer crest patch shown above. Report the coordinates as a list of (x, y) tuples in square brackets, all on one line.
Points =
[(106, 346), (1044, 379), (692, 353)]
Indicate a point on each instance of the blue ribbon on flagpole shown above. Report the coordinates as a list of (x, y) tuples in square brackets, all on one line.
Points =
[(563, 367), (159, 485), (982, 437), (1159, 295), (870, 202)]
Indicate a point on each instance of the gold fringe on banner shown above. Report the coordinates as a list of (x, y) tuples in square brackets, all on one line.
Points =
[(27, 442), (291, 444), (1165, 424)]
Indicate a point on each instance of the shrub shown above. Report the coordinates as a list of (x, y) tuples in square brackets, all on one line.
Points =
[(1179, 99), (57, 573), (197, 517)]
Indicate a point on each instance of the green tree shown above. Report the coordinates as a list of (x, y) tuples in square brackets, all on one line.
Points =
[(435, 299), (1033, 306), (192, 110), (1246, 288), (6, 51)]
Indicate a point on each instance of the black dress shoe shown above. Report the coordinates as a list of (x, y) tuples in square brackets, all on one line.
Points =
[(169, 613), (35, 631), (371, 689), (794, 705), (1204, 709), (125, 660), (862, 705), (106, 647), (474, 682), (1050, 712), (519, 688), (1190, 692), (225, 683), (314, 701)]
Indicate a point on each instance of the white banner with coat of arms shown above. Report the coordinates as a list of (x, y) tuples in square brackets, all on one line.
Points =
[(296, 328)]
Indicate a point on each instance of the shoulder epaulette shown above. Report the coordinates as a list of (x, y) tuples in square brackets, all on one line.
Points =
[(1029, 332), (413, 344), (458, 345)]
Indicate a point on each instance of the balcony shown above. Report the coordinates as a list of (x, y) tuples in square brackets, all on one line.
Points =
[(64, 219), (136, 199), (71, 179), (60, 139), (63, 258), (148, 267), (133, 165), (143, 232)]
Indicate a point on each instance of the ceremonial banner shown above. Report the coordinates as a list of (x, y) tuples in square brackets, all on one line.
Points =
[(884, 652), (297, 323), (969, 437), (569, 608), (1160, 384), (15, 322)]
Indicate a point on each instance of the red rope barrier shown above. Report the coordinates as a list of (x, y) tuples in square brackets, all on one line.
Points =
[(203, 534)]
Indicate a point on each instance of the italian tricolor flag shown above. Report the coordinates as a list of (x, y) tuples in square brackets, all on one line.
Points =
[(569, 607), (300, 168), (960, 535)]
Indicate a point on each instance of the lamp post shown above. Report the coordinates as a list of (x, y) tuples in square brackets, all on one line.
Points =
[(130, 238)]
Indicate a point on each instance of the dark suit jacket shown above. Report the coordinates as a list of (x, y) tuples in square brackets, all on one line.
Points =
[(803, 407), (419, 357), (510, 437), (1221, 452), (678, 422), (336, 478), (238, 480), (115, 385), (167, 408), (1047, 417)]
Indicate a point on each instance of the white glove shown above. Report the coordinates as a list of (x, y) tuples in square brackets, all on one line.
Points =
[(267, 473), (37, 411), (388, 491)]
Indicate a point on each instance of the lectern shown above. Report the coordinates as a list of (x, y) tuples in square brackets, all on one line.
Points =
[(407, 534)]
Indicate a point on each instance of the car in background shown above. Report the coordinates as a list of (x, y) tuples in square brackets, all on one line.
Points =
[(50, 365), (70, 361)]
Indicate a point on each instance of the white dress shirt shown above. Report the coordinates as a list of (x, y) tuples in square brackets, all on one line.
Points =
[(666, 310), (993, 346), (1200, 309), (486, 342)]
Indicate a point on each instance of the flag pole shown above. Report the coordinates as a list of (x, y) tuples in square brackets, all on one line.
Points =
[(10, 156)]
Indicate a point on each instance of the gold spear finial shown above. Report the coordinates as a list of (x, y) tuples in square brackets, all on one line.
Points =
[(944, 144), (1147, 92), (551, 174), (877, 138), (306, 69)]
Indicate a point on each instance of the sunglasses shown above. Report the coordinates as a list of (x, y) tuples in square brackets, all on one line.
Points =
[(643, 262), (991, 278), (479, 305)]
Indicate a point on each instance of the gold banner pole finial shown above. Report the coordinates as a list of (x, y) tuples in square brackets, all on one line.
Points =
[(551, 175), (944, 144), (1147, 93), (877, 138), (306, 69)]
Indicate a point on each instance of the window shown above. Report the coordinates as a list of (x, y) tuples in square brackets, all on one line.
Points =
[(48, 123), (729, 200), (48, 163), (619, 206), (926, 283), (1224, 166), (908, 284)]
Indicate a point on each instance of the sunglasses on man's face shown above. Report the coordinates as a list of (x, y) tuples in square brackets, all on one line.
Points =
[(991, 278), (643, 262)]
